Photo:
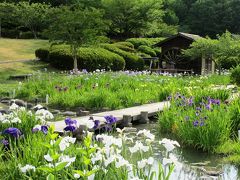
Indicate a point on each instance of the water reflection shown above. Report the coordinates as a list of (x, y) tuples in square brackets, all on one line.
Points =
[(196, 165)]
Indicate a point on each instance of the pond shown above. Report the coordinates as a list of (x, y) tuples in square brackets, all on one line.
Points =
[(195, 163)]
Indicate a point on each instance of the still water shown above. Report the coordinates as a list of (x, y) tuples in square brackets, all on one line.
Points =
[(195, 165)]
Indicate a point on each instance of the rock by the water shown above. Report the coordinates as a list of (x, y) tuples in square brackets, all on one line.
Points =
[(69, 113), (5, 101), (83, 113), (18, 102), (29, 105), (38, 107), (56, 112), (129, 129), (4, 111), (210, 171)]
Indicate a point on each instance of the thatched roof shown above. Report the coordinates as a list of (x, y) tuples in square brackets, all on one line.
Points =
[(191, 37)]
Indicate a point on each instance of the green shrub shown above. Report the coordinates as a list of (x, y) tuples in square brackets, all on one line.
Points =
[(235, 76), (147, 50), (42, 54), (26, 35), (157, 51), (133, 62), (229, 63), (124, 43), (123, 47), (144, 41), (88, 58)]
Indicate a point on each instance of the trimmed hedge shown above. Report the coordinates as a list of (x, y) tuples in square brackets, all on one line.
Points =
[(42, 54), (147, 50), (133, 62), (144, 41), (88, 58), (125, 46)]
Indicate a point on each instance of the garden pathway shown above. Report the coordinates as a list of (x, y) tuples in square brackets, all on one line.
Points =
[(134, 113)]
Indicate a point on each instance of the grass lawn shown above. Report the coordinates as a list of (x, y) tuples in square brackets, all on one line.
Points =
[(15, 50), (19, 49)]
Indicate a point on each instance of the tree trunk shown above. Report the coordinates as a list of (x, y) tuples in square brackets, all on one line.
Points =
[(34, 34), (219, 69), (74, 53), (0, 28)]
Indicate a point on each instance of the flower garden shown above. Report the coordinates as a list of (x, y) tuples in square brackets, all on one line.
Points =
[(203, 116)]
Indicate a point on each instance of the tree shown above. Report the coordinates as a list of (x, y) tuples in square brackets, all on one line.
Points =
[(221, 50), (203, 48), (33, 16), (76, 27), (131, 18), (7, 15)]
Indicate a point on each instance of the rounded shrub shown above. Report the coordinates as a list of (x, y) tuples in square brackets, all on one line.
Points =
[(91, 58), (144, 41), (139, 41), (42, 54), (147, 50), (235, 75), (157, 51), (133, 62), (124, 48)]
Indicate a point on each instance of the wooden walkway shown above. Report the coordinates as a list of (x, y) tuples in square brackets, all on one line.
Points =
[(137, 113)]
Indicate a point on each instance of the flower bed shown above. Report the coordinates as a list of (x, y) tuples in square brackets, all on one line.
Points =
[(34, 151)]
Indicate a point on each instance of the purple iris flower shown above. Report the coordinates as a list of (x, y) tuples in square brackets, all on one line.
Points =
[(190, 101), (195, 123), (202, 123), (5, 142), (169, 98), (110, 119), (217, 102), (96, 124), (198, 109), (44, 129), (108, 128), (70, 122), (70, 128), (84, 71), (15, 132), (208, 107)]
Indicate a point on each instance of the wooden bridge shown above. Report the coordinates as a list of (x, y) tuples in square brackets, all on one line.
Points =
[(124, 116)]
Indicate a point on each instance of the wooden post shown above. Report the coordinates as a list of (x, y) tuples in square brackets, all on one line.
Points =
[(203, 65), (126, 122), (144, 117)]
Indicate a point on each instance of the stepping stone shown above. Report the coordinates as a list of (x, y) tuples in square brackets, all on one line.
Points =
[(69, 113)]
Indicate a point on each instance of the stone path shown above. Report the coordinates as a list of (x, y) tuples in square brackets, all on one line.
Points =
[(132, 113)]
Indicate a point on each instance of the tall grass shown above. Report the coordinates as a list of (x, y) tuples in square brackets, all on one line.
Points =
[(112, 90), (203, 124)]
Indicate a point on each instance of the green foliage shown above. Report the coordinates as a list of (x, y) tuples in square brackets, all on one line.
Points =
[(91, 58), (133, 62), (235, 75), (125, 46), (32, 16), (76, 27), (224, 50), (157, 51), (42, 54), (144, 41), (130, 18), (147, 50)]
